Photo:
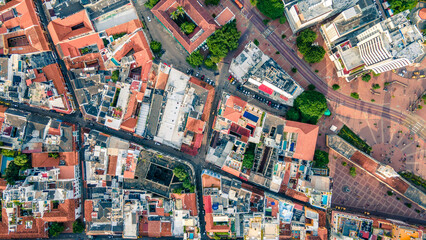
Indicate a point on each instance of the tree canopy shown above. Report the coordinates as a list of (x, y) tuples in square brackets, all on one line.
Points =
[(115, 75), (12, 173), (401, 5), (155, 46), (212, 2), (78, 226), (249, 156), (56, 228), (210, 64), (312, 53), (315, 54), (224, 40), (8, 153), (311, 105), (195, 59), (21, 160), (366, 77), (321, 159), (180, 173), (271, 8), (187, 27), (151, 3)]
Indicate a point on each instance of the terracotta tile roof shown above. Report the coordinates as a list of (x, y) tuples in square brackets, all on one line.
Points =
[(71, 48), (128, 27), (161, 81), (235, 101), (43, 159), (166, 229), (53, 72), (231, 171), (209, 181), (131, 106), (274, 207), (154, 229), (323, 233), (306, 139), (224, 17), (296, 195), (66, 172), (25, 14), (129, 124), (210, 227), (364, 161), (64, 213), (195, 11), (112, 165), (70, 27), (83, 61), (143, 55), (189, 202), (34, 33), (88, 209), (3, 184), (195, 125)]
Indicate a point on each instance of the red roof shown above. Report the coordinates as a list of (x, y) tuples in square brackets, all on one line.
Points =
[(207, 200), (198, 15), (195, 125), (189, 202), (88, 209), (266, 89), (422, 13), (154, 229), (70, 27), (306, 139), (43, 159), (112, 165), (225, 16)]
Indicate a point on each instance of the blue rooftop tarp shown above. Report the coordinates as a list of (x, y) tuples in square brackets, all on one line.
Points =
[(250, 116)]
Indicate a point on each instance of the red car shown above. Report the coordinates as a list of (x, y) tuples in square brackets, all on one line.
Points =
[(230, 76)]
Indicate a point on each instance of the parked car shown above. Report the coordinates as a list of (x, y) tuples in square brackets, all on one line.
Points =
[(202, 77), (149, 19)]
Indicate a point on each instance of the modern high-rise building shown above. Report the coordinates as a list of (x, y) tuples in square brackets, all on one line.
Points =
[(390, 44)]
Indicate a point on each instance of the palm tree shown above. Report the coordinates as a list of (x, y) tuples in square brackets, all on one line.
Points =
[(180, 11), (174, 15)]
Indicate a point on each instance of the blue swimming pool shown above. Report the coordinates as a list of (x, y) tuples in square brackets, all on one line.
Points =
[(324, 199), (4, 162), (115, 62)]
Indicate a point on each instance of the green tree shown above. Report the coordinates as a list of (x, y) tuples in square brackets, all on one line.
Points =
[(151, 3), (344, 163), (55, 229), (8, 153), (305, 40), (54, 155), (187, 183), (366, 77), (256, 42), (21, 160), (335, 87), (212, 2), (401, 5), (311, 105), (352, 171), (294, 70), (78, 226), (315, 54), (195, 59), (174, 15), (293, 114), (155, 46), (320, 158), (180, 173), (249, 156), (210, 64), (12, 173), (376, 86), (311, 87), (283, 19), (271, 8), (180, 11), (224, 40), (187, 27), (115, 75), (355, 95)]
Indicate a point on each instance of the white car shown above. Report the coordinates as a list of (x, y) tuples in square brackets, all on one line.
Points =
[(149, 19)]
